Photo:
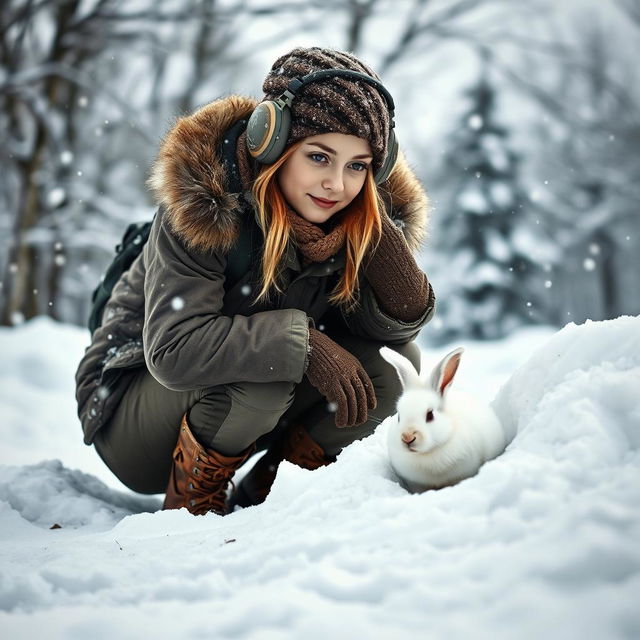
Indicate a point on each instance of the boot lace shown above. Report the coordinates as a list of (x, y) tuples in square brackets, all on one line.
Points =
[(209, 491)]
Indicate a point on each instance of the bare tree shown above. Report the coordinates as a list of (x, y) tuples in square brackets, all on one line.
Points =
[(41, 75)]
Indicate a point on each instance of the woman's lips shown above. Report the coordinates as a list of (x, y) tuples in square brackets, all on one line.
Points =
[(325, 204)]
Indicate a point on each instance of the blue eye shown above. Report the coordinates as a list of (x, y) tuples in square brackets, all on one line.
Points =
[(360, 166), (318, 157)]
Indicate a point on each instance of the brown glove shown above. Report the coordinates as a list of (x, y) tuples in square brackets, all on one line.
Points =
[(401, 288), (341, 379)]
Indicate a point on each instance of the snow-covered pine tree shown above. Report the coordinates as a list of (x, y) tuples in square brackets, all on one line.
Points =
[(484, 272)]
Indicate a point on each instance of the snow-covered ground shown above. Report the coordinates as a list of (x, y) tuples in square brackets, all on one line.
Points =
[(543, 542)]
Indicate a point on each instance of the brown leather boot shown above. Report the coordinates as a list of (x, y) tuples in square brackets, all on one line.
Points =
[(199, 477), (295, 446)]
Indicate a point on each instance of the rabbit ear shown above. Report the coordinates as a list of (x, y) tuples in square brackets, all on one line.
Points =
[(444, 372), (408, 375)]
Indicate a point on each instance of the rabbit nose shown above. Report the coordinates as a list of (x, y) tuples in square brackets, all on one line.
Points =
[(408, 438)]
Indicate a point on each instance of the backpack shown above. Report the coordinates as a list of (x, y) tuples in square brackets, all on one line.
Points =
[(127, 251)]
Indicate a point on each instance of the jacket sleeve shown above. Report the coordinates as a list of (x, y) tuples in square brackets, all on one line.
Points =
[(189, 344), (370, 322)]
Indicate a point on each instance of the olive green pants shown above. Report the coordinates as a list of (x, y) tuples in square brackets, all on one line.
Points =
[(138, 441)]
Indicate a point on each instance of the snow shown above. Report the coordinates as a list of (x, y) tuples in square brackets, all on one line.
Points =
[(542, 542)]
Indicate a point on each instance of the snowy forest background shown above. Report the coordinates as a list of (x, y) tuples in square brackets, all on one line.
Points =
[(522, 119)]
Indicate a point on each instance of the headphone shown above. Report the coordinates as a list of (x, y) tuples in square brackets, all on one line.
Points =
[(270, 123)]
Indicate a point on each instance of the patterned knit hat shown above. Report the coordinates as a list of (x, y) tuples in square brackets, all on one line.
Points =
[(332, 105)]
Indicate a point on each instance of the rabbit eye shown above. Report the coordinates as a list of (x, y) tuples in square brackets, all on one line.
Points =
[(429, 415)]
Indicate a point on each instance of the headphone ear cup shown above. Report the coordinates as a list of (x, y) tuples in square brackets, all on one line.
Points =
[(389, 162), (267, 131)]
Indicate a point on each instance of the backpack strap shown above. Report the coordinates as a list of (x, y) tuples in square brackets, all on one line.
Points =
[(127, 251)]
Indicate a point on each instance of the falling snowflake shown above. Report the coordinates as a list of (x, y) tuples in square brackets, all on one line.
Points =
[(475, 121), (103, 392), (56, 197), (177, 303)]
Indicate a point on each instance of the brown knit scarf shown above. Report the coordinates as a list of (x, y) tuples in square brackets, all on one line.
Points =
[(314, 244)]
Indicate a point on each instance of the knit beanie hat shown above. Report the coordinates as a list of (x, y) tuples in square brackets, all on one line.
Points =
[(331, 105)]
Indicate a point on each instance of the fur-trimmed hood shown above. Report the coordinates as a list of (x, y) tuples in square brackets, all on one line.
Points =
[(189, 179)]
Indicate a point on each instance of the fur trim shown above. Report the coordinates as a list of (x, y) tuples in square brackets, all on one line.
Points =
[(409, 202), (189, 180)]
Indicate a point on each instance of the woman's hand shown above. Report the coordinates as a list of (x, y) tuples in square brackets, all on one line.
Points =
[(401, 288), (341, 379)]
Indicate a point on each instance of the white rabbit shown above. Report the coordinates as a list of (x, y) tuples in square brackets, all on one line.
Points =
[(441, 435)]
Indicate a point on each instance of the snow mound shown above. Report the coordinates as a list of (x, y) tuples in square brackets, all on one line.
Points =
[(588, 369), (48, 494)]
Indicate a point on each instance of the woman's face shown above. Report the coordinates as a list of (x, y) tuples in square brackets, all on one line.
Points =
[(324, 174)]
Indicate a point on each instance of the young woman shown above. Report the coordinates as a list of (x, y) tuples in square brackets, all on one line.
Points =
[(280, 261)]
